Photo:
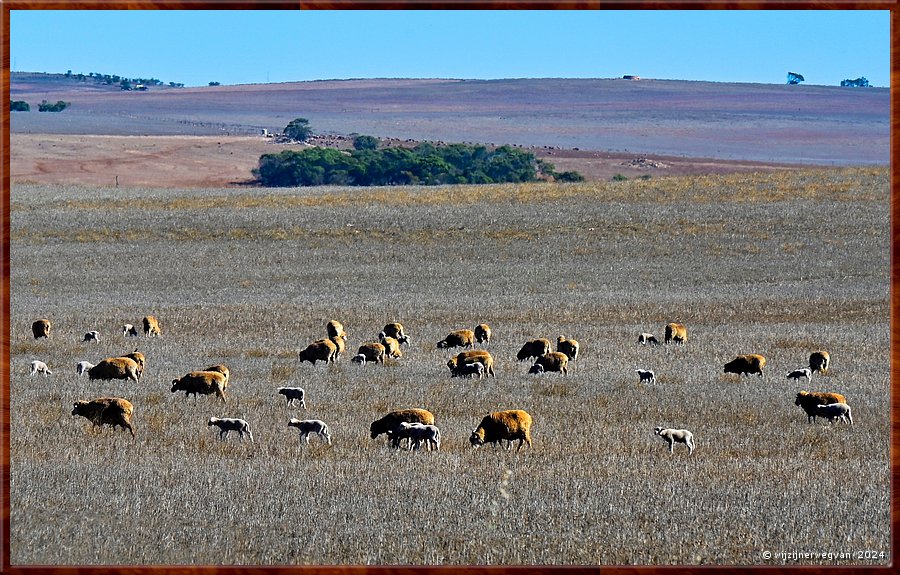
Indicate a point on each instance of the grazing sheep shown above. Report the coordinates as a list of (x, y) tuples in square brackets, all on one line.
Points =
[(798, 373), (809, 401), (310, 426), (676, 332), (393, 419), (128, 330), (91, 336), (223, 369), (371, 351), (321, 350), (40, 367), (340, 345), (673, 436), (113, 411), (567, 346), (395, 330), (469, 370), (416, 434), (458, 338), (834, 411), (83, 366), (115, 368), (293, 393), (151, 326), (645, 338), (499, 425), (534, 348), (226, 424), (472, 356), (646, 375), (334, 328), (391, 346), (819, 361), (359, 358), (41, 328), (483, 333), (201, 383), (553, 361), (746, 364)]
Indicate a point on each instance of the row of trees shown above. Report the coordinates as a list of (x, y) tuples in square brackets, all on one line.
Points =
[(424, 164), (110, 79), (45, 106)]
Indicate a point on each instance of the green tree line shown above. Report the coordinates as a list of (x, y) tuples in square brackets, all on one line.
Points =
[(424, 164)]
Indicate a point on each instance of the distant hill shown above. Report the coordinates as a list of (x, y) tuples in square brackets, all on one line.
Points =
[(760, 122)]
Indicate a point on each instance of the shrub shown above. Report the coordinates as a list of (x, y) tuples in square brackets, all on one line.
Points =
[(298, 130), (59, 106), (365, 143), (19, 106)]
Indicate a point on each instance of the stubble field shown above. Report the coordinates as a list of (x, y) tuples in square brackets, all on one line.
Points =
[(780, 264)]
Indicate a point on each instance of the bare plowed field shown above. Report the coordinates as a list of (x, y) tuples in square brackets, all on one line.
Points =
[(781, 264)]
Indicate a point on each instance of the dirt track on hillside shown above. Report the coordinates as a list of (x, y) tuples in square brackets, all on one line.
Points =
[(226, 161)]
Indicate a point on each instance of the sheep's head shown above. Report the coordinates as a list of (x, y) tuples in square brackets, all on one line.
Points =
[(477, 437), (657, 431), (536, 369)]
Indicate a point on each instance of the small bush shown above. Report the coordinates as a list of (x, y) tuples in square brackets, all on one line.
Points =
[(19, 106), (59, 106)]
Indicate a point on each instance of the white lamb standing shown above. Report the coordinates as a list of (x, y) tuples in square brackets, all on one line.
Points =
[(40, 367), (673, 436)]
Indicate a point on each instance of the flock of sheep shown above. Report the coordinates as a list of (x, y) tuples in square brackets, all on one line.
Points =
[(415, 426)]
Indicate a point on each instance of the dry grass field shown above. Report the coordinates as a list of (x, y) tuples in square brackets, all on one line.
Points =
[(780, 264)]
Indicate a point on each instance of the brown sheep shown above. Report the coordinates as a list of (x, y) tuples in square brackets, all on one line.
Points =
[(553, 361), (392, 420), (41, 328), (139, 359), (151, 326), (819, 361), (340, 345), (534, 348), (676, 332), (115, 368), (567, 346), (320, 350), (395, 330), (113, 411), (391, 346), (201, 383), (483, 333), (746, 364), (372, 351), (467, 357), (809, 400), (499, 425), (334, 328), (458, 338), (223, 369)]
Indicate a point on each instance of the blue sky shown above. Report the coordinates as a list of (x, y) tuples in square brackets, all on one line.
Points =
[(244, 47)]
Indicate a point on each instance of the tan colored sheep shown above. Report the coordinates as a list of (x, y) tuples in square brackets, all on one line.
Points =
[(567, 346), (472, 356), (392, 420), (809, 401), (676, 332), (115, 368), (201, 383), (820, 361), (391, 346), (534, 348), (372, 352), (112, 411), (340, 344), (223, 369), (509, 425), (395, 330), (139, 359), (553, 361), (458, 338), (746, 364), (334, 328), (483, 333), (41, 328), (320, 350), (151, 326)]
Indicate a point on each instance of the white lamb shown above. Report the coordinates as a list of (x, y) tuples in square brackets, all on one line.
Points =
[(310, 426), (292, 393), (834, 411), (40, 367), (798, 373), (646, 375), (226, 424), (83, 366), (673, 436), (416, 433)]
